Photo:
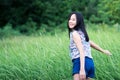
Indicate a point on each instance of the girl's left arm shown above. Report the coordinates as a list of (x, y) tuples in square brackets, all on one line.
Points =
[(97, 47)]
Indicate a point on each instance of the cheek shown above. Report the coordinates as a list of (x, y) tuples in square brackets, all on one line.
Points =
[(69, 23), (75, 23)]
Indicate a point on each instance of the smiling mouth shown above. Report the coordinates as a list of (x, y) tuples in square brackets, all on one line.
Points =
[(71, 25)]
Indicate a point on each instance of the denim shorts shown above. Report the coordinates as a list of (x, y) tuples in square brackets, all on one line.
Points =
[(89, 67)]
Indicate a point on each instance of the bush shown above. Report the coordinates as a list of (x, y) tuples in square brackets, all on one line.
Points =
[(7, 31), (28, 28)]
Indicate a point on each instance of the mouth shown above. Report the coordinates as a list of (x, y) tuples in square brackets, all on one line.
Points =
[(71, 24)]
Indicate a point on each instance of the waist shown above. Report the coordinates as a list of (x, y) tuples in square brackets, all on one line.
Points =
[(86, 57), (75, 55)]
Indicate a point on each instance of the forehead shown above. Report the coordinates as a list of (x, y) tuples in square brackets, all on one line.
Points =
[(73, 16)]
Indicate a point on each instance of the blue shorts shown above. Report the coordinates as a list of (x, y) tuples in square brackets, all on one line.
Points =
[(89, 67)]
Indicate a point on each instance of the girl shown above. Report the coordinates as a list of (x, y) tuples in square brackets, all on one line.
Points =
[(83, 65)]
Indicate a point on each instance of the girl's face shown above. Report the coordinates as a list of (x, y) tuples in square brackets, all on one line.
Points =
[(72, 21)]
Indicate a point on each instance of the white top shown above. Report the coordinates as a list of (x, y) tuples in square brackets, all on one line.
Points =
[(74, 52)]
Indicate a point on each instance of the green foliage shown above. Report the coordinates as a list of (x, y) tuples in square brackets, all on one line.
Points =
[(47, 57), (28, 28), (45, 30), (27, 16), (14, 11), (87, 7), (110, 12), (7, 31), (51, 11)]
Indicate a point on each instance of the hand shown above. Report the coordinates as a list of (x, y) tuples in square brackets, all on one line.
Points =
[(82, 75), (107, 52)]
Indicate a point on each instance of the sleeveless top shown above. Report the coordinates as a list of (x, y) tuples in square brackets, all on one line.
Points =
[(74, 52)]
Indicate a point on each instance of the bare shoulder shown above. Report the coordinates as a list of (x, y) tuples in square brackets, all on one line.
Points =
[(76, 35)]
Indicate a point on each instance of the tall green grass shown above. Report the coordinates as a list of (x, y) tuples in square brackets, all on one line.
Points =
[(47, 57)]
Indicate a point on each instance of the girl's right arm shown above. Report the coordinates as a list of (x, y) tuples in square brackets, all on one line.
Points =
[(79, 45), (97, 47)]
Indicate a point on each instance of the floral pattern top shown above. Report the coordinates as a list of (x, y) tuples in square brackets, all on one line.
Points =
[(74, 52)]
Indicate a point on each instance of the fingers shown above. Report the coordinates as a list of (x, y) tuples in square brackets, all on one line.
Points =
[(82, 77), (107, 52)]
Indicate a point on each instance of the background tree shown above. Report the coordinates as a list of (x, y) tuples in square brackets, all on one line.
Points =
[(109, 11), (27, 16)]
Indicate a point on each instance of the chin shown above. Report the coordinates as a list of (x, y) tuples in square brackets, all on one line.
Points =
[(71, 27)]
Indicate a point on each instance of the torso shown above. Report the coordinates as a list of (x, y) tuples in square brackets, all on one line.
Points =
[(74, 52)]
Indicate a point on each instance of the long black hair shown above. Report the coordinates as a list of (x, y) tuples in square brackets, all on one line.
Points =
[(80, 24)]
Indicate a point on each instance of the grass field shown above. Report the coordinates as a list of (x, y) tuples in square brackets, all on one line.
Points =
[(47, 57)]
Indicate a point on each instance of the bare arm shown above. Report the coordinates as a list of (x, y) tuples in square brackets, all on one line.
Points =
[(97, 47), (79, 45)]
